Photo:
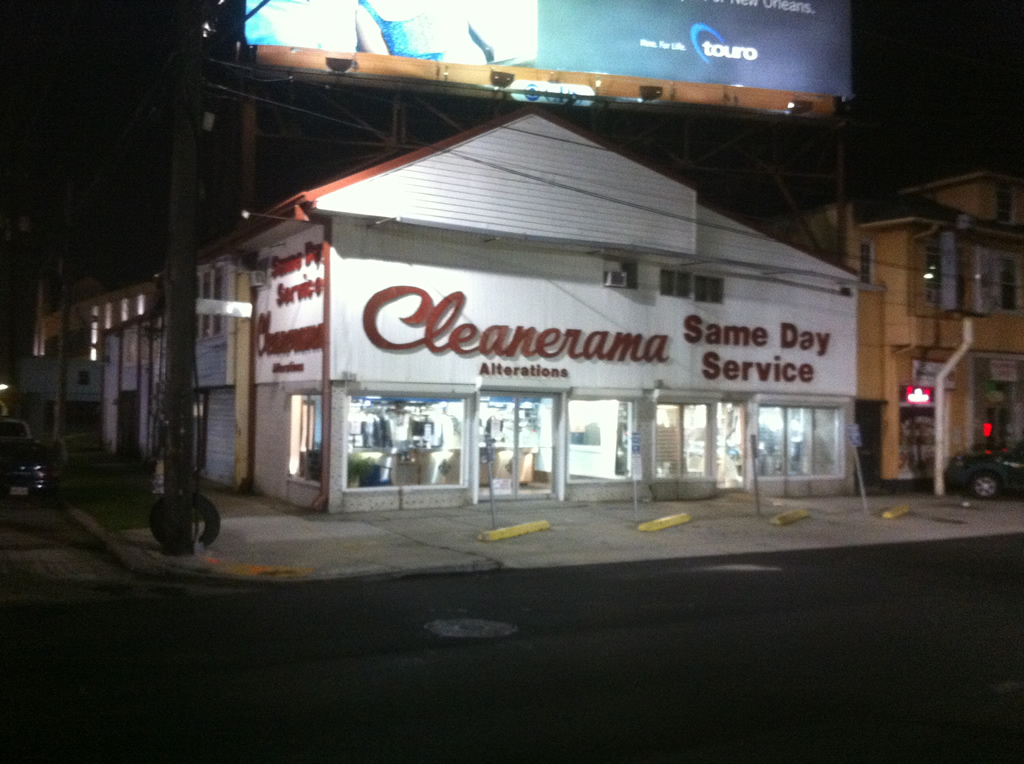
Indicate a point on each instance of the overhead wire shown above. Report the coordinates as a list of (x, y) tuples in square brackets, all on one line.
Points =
[(455, 151), (749, 232), (120, 143)]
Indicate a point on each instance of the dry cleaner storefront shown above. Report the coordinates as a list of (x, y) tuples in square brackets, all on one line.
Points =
[(463, 363)]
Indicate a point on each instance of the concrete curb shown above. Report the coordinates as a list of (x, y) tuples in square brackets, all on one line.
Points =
[(448, 543), (134, 559), (145, 563)]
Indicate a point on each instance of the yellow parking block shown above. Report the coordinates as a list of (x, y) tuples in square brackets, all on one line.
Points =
[(663, 522), (790, 517), (514, 530), (894, 512)]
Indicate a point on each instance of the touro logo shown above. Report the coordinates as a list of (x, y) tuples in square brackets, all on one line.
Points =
[(708, 49)]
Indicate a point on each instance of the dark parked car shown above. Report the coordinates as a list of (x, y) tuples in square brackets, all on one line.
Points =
[(987, 473), (27, 467)]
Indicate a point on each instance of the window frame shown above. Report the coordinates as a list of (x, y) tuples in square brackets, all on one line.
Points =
[(1005, 203), (675, 283), (866, 261), (305, 436), (804, 449), (686, 438), (708, 289), (403, 438), (618, 446)]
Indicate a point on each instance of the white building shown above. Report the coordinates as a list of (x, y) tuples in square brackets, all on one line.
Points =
[(525, 311)]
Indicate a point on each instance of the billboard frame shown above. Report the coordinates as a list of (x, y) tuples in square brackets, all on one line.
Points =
[(545, 85)]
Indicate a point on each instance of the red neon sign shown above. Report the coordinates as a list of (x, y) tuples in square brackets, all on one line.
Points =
[(919, 396)]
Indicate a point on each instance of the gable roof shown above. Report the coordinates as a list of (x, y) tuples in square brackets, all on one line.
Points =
[(526, 176), (531, 176), (911, 208)]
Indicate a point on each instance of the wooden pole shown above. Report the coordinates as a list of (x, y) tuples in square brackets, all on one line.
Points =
[(179, 447)]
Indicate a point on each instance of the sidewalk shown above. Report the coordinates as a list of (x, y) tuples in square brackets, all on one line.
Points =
[(261, 538)]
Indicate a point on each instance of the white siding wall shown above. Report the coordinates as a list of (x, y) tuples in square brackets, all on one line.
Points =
[(531, 178), (517, 283)]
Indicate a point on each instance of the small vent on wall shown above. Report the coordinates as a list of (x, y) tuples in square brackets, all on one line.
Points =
[(257, 279), (615, 279)]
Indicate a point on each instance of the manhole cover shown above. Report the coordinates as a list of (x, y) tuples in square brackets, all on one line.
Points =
[(470, 627)]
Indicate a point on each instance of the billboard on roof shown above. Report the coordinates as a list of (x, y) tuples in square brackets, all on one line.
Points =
[(800, 46)]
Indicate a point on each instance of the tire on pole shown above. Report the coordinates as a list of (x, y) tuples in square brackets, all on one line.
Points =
[(205, 514)]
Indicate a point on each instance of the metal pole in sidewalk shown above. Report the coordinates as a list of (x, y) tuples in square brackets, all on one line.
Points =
[(637, 467), (856, 441), (757, 492), (489, 458), (860, 479)]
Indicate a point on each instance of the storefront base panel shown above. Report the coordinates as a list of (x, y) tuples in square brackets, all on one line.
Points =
[(798, 489), (391, 499), (683, 490), (606, 491), (301, 494), (434, 498)]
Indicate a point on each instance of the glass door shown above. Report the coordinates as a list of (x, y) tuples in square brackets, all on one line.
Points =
[(521, 430), (729, 426)]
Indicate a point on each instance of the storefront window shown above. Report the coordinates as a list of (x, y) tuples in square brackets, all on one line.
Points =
[(405, 441), (798, 438), (599, 434), (797, 441), (305, 453), (825, 444), (680, 440)]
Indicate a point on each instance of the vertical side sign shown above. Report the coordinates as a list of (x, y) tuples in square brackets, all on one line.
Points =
[(289, 311)]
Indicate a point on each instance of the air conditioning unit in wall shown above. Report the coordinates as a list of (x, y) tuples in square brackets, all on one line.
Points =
[(257, 279), (615, 279)]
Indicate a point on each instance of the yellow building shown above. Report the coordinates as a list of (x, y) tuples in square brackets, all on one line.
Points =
[(941, 267)]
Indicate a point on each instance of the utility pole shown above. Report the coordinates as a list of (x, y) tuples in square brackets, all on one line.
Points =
[(64, 274), (180, 283)]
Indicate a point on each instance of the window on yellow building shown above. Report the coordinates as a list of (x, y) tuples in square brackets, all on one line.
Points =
[(867, 261), (932, 273), (1004, 203), (1003, 292)]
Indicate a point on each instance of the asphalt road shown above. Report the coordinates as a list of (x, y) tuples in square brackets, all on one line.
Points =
[(44, 556), (894, 653)]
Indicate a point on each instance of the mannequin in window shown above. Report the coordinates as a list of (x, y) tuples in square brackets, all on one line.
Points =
[(796, 441)]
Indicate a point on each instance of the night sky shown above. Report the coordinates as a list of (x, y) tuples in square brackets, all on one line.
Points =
[(939, 90)]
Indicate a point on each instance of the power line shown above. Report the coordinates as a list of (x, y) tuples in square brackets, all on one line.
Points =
[(748, 232)]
